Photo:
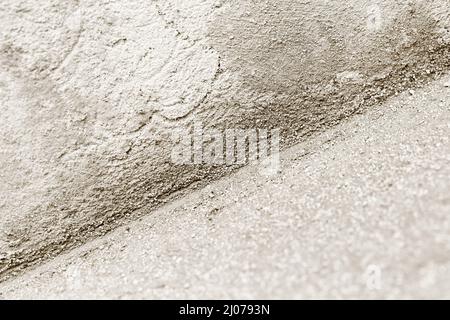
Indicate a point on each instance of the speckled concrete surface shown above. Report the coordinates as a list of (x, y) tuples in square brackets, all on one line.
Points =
[(91, 92), (360, 211)]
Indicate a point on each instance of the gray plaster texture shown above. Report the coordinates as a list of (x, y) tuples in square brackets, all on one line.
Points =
[(360, 211), (92, 91)]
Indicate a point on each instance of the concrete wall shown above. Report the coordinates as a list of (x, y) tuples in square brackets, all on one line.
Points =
[(91, 92)]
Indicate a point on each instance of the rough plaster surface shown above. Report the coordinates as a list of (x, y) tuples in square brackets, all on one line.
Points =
[(91, 91), (360, 211)]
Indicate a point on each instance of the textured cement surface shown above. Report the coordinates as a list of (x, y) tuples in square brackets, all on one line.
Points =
[(91, 91), (360, 211)]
